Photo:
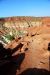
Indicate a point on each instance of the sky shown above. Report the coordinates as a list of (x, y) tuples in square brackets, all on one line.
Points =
[(35, 8)]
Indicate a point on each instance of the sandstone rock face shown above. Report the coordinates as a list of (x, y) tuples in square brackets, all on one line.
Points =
[(35, 41)]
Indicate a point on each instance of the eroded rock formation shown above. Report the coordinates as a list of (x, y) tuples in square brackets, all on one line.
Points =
[(34, 43)]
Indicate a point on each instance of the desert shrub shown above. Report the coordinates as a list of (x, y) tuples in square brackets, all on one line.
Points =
[(7, 38)]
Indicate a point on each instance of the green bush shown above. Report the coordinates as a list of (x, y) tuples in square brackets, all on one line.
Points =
[(7, 38)]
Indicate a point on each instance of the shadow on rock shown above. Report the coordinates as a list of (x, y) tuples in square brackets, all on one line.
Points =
[(35, 71), (18, 59), (11, 67), (10, 64), (7, 53)]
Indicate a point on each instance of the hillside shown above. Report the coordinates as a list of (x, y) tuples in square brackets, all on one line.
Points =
[(34, 34)]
